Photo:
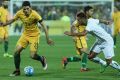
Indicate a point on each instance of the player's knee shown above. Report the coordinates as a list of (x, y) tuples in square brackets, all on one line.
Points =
[(33, 55), (90, 56), (18, 50), (16, 54)]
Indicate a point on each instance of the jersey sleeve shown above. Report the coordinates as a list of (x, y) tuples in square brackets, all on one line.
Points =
[(16, 16), (89, 27), (38, 17), (97, 21)]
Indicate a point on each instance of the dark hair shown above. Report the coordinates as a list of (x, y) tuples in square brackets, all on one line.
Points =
[(81, 15), (26, 3), (87, 8)]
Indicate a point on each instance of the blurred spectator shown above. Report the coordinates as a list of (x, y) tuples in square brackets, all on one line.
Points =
[(65, 16), (62, 10), (18, 26)]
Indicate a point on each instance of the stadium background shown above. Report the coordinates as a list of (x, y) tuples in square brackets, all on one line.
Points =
[(59, 14)]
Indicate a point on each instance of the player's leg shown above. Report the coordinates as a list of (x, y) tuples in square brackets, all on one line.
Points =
[(33, 49), (115, 65), (21, 44), (103, 67), (76, 58), (2, 39), (97, 60), (1, 35), (94, 52), (114, 36), (6, 47), (37, 57), (108, 51), (84, 58), (92, 55), (17, 61)]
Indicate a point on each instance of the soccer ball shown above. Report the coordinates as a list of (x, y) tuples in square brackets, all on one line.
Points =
[(28, 70)]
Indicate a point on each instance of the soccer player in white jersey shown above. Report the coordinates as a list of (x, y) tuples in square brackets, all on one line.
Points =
[(88, 10), (104, 40)]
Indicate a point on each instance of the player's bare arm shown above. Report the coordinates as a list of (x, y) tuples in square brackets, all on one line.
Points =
[(7, 23), (105, 21), (49, 41), (74, 32)]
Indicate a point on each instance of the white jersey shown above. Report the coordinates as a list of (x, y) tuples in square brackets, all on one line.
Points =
[(105, 41), (94, 28)]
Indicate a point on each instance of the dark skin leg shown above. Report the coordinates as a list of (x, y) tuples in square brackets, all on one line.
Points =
[(17, 58), (92, 55)]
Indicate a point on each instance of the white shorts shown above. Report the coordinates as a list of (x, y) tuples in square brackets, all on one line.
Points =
[(106, 47)]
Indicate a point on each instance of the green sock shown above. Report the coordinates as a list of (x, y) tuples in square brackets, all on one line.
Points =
[(84, 60), (73, 59), (114, 40), (6, 46)]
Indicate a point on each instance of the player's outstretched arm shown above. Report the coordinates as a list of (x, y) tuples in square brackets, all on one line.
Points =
[(73, 31), (105, 21), (75, 34), (7, 23), (49, 41)]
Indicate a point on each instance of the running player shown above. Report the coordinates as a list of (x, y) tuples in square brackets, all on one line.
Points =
[(104, 40), (116, 19), (80, 44), (4, 17), (88, 10), (30, 35)]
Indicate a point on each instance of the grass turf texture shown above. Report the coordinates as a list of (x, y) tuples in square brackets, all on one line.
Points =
[(64, 46)]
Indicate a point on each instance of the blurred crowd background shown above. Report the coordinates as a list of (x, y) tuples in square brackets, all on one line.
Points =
[(57, 10), (58, 15)]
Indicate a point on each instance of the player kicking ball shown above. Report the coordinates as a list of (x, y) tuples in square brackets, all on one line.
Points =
[(30, 35), (104, 41), (80, 44)]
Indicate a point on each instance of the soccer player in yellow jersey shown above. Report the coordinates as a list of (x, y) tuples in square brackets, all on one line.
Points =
[(80, 44), (116, 19), (4, 16), (31, 33)]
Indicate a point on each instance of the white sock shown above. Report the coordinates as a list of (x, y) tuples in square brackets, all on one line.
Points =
[(115, 65), (99, 61), (102, 62)]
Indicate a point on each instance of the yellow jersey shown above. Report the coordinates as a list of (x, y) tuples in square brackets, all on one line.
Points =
[(80, 42), (78, 27), (30, 23), (116, 18), (3, 15)]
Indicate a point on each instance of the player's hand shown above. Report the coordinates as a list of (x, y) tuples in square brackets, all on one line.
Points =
[(67, 33), (109, 22), (50, 42)]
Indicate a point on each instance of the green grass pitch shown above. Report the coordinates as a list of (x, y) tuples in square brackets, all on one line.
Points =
[(64, 46)]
